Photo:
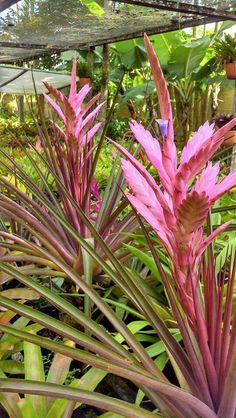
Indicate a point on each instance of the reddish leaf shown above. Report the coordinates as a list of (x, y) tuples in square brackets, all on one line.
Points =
[(193, 211)]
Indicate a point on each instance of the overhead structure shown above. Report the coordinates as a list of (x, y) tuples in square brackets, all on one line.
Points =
[(20, 80), (30, 29), (5, 4)]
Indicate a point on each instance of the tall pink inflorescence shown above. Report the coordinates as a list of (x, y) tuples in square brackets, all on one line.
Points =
[(176, 211), (77, 114)]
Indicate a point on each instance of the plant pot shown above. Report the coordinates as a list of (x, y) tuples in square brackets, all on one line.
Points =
[(230, 138), (84, 81), (230, 69)]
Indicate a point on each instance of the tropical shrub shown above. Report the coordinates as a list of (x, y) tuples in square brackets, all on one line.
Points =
[(201, 300)]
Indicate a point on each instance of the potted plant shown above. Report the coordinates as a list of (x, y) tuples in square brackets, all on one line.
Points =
[(225, 50), (84, 73), (230, 137)]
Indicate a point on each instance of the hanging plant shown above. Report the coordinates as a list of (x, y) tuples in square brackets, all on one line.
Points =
[(226, 55), (230, 136), (84, 73)]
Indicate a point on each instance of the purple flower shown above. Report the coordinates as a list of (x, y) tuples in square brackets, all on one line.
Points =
[(163, 125)]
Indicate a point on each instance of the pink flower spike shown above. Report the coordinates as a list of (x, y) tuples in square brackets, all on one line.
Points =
[(178, 213)]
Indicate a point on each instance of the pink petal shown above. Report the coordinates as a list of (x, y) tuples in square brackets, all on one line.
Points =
[(208, 179), (90, 103), (153, 151), (194, 165), (199, 139), (56, 108)]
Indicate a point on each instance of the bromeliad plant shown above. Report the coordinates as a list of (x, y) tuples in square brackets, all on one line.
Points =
[(67, 163), (177, 213), (201, 300)]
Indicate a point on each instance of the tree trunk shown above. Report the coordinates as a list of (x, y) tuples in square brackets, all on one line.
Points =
[(207, 103), (104, 83), (20, 105), (215, 101)]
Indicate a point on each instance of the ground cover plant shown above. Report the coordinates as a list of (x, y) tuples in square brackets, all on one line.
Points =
[(198, 338)]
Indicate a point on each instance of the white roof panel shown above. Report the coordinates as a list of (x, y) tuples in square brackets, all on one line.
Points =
[(19, 80)]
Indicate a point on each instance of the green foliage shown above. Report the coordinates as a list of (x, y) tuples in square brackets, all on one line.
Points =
[(130, 54), (165, 43), (138, 93), (225, 50), (13, 133), (23, 161), (83, 70), (186, 58)]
